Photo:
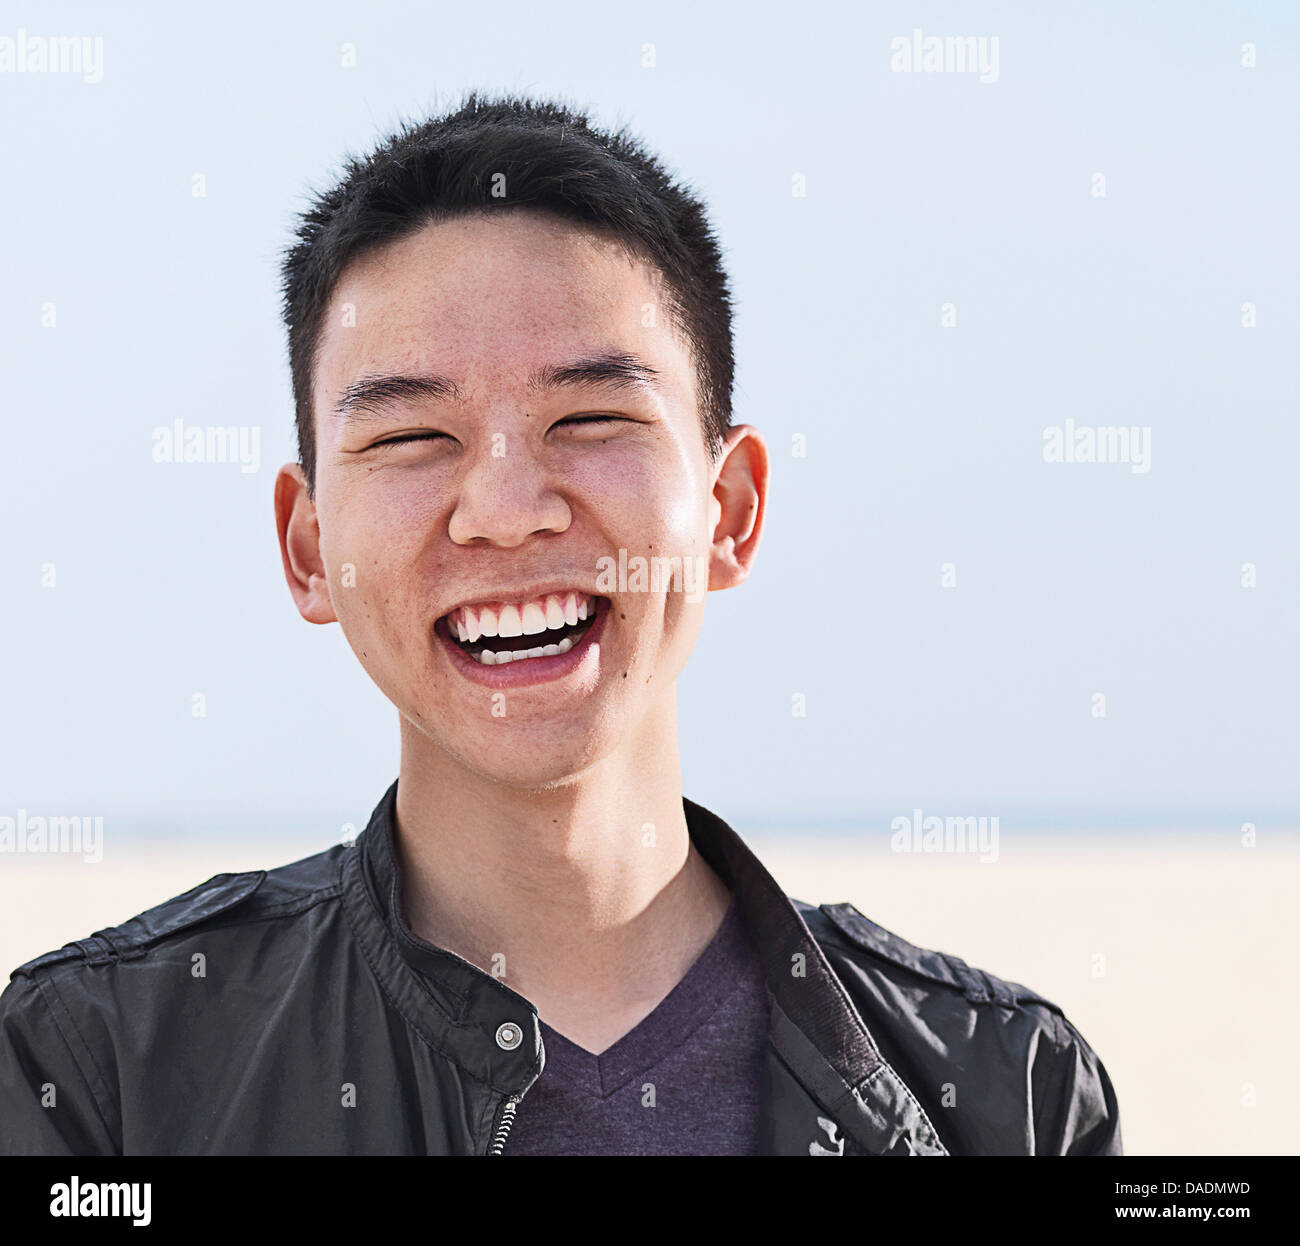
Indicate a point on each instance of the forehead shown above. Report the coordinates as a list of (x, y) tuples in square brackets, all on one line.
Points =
[(486, 299)]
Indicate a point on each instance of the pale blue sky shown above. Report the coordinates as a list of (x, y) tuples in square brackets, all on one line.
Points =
[(924, 442)]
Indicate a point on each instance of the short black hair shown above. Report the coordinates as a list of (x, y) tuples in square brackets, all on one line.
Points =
[(553, 160)]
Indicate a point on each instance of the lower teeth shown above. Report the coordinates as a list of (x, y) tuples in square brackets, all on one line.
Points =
[(486, 657)]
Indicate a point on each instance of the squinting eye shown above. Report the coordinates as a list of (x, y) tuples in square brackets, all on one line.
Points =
[(591, 419), (397, 441)]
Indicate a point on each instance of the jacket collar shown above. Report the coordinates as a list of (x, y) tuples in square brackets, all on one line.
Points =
[(458, 1009), (815, 1029), (452, 1005)]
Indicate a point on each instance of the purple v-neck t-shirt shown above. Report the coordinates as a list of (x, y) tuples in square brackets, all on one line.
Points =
[(686, 1081)]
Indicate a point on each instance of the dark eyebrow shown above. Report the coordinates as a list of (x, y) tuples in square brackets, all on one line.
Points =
[(616, 371), (367, 396)]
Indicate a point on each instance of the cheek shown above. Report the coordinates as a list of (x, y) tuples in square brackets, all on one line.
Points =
[(683, 524), (371, 553), (647, 507)]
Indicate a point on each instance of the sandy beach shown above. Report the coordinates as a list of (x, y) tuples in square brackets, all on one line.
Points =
[(1172, 953)]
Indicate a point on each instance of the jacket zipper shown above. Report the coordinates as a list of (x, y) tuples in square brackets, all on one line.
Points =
[(508, 1110)]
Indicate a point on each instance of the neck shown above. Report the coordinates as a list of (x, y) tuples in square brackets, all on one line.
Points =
[(586, 897)]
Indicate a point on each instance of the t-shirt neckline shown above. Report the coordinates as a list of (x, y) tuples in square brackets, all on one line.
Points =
[(684, 1009)]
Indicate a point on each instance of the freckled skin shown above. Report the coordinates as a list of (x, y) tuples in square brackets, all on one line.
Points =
[(430, 524)]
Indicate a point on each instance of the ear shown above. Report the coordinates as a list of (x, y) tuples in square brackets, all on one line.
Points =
[(738, 505), (304, 569)]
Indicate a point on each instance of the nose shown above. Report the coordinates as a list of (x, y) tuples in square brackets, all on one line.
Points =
[(506, 496)]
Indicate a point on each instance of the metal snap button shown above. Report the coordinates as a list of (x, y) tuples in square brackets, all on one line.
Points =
[(509, 1036)]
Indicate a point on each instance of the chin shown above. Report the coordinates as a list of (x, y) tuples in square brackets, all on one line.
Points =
[(522, 759)]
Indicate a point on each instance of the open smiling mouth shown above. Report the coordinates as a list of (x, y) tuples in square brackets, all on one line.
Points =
[(501, 633)]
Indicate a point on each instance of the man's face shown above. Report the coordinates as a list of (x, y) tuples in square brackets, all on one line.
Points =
[(505, 490)]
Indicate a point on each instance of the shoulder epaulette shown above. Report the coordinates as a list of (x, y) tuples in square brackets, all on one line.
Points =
[(134, 938), (976, 984)]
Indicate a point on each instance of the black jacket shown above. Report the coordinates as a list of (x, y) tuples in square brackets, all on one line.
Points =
[(291, 1012)]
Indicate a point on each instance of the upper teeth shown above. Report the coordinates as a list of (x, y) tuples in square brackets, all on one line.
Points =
[(528, 618)]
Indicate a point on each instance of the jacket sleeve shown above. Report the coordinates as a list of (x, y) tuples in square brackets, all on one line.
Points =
[(1074, 1106), (47, 1106)]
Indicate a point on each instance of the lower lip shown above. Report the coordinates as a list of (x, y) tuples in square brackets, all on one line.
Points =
[(523, 672)]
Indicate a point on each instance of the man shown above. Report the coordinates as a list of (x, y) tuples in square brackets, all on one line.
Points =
[(511, 352)]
